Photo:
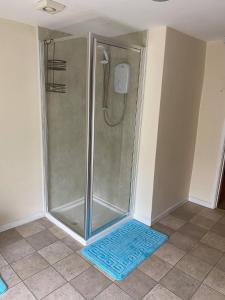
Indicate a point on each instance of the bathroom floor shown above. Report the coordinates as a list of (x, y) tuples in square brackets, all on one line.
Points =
[(39, 261)]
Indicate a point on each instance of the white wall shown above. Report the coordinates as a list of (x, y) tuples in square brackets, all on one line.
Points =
[(178, 118), (21, 189), (211, 127), (149, 125), (173, 84), (20, 127)]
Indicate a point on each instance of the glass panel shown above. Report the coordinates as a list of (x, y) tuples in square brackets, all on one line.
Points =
[(66, 119), (117, 79)]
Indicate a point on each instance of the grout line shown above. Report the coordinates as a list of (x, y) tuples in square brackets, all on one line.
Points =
[(189, 253), (145, 275), (67, 281), (115, 282), (81, 292), (209, 288), (213, 289), (102, 290), (44, 295), (21, 282)]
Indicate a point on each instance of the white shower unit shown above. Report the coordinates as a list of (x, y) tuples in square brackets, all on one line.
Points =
[(91, 112)]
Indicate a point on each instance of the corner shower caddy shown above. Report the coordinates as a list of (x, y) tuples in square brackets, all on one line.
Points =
[(54, 65)]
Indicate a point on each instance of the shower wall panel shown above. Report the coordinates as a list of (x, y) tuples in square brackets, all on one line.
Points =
[(114, 146)]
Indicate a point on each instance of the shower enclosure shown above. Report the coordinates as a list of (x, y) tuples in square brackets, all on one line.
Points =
[(91, 103)]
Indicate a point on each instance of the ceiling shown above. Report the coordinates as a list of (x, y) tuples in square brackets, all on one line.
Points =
[(204, 19)]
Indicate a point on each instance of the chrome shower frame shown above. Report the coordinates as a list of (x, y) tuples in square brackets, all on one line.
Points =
[(89, 235)]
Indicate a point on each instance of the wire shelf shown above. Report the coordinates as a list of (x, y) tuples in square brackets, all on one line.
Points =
[(56, 64), (56, 87)]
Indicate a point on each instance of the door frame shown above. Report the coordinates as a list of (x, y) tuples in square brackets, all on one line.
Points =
[(219, 172), (93, 39)]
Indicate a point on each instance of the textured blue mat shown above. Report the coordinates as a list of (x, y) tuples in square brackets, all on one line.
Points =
[(121, 251), (3, 286)]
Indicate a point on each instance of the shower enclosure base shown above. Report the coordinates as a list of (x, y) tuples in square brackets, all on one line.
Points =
[(79, 238), (71, 215)]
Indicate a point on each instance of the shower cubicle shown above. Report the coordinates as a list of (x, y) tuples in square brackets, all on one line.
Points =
[(91, 104)]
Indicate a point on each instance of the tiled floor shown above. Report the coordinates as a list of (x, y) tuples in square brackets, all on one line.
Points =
[(39, 261)]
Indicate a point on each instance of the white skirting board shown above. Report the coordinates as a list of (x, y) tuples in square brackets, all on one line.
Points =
[(149, 221), (168, 211), (22, 221), (146, 221), (201, 202)]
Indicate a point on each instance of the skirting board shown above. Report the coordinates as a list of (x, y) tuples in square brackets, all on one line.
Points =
[(168, 211), (201, 202), (22, 221), (146, 221)]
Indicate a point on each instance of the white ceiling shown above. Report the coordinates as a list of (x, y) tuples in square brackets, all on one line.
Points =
[(204, 19)]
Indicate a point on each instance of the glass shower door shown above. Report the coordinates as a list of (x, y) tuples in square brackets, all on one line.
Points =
[(66, 111), (116, 72)]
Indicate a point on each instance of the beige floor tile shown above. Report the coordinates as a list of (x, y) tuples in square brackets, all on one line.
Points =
[(3, 262), (206, 293), (193, 231), (29, 265), (8, 237), (219, 229), (71, 266), (78, 252), (58, 232), (55, 252), (183, 213), (113, 292), (160, 293), (44, 282), (192, 207), (221, 264), (66, 292), (222, 220), (30, 229), (72, 243), (155, 267), (212, 214), (216, 280), (170, 253), (9, 276), (207, 254), (16, 251), (202, 222), (104, 273), (41, 239), (183, 242), (162, 228), (181, 284), (90, 283), (214, 240), (172, 222), (45, 222), (137, 284), (194, 267), (18, 292), (87, 282)]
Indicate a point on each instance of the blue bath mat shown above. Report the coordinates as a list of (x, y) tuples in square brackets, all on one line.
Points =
[(121, 251), (3, 286)]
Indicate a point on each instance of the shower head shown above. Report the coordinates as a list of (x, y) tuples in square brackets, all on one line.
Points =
[(105, 60)]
